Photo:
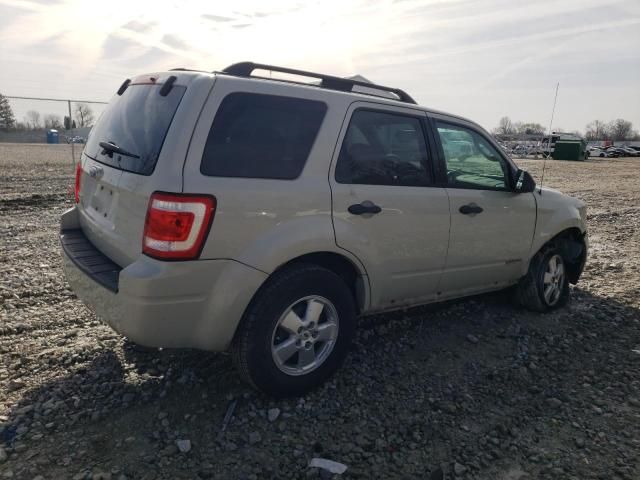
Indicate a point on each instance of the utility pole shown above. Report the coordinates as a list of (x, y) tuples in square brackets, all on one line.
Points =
[(73, 146)]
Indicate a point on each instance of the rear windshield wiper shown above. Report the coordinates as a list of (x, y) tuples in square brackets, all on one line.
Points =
[(109, 148)]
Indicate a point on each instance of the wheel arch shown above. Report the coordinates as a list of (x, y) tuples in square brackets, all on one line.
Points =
[(352, 274), (572, 244)]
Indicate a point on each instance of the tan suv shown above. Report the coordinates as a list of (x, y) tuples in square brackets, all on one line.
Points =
[(231, 211)]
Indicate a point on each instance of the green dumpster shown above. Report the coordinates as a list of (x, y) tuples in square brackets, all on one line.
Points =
[(566, 149)]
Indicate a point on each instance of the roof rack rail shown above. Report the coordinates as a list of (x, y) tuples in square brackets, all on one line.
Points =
[(244, 69), (182, 69)]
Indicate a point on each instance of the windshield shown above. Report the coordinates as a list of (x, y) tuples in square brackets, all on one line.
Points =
[(136, 122)]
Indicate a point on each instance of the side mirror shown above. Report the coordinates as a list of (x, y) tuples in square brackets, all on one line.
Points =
[(524, 182)]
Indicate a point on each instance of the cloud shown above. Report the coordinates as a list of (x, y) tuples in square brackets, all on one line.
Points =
[(53, 45), (151, 59), (116, 46), (137, 26), (216, 18), (482, 60), (11, 12), (174, 41)]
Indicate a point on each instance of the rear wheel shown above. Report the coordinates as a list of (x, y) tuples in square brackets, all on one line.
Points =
[(546, 286), (296, 332)]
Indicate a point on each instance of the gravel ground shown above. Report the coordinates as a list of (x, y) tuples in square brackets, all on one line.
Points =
[(474, 389)]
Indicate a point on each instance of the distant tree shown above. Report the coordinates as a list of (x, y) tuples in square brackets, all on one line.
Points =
[(621, 129), (84, 115), (52, 120), (529, 128), (7, 119), (68, 125), (517, 126), (597, 130), (32, 119), (505, 127)]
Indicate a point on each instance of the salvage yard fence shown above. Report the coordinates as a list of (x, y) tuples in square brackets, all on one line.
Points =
[(52, 120)]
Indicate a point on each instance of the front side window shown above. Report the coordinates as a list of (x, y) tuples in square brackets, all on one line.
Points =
[(472, 162), (261, 136), (383, 149)]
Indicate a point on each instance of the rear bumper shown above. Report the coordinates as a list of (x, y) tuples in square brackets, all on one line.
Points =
[(193, 304)]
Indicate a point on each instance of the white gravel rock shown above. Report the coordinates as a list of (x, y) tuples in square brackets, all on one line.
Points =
[(183, 445), (273, 414)]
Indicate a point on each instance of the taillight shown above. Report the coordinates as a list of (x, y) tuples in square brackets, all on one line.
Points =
[(177, 225), (76, 191)]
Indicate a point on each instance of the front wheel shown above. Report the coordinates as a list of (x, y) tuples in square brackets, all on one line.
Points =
[(545, 287), (296, 331)]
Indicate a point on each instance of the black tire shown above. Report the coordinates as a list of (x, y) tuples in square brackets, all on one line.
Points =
[(530, 290), (252, 346)]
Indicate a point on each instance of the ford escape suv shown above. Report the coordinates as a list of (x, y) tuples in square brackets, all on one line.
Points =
[(228, 210)]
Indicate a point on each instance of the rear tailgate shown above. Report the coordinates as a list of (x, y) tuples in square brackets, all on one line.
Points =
[(152, 133)]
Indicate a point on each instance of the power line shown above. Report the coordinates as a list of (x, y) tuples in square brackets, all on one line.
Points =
[(55, 99)]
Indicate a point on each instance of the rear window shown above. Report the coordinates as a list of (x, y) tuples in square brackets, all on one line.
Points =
[(137, 122), (261, 136)]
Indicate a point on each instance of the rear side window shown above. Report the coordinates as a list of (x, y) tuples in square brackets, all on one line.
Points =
[(261, 136), (137, 122)]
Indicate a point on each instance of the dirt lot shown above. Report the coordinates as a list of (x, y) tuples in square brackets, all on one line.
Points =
[(475, 389)]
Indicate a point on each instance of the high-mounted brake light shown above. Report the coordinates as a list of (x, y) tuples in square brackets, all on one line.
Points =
[(76, 191), (144, 80), (177, 225)]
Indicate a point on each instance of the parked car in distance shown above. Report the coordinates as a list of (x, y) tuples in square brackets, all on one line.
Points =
[(600, 152), (631, 152), (618, 151), (263, 217), (520, 150)]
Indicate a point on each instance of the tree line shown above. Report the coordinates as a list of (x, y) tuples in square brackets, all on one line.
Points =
[(33, 120), (617, 130)]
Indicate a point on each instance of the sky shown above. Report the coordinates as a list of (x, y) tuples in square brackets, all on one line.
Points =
[(482, 59)]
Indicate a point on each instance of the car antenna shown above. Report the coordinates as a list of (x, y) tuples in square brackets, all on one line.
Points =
[(544, 162)]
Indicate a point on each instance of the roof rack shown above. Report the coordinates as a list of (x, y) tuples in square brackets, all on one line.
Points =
[(182, 69), (244, 69)]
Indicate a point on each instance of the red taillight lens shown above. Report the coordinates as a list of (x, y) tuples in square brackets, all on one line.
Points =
[(76, 191), (177, 225)]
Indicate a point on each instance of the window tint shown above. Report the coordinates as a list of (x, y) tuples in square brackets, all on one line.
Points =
[(472, 162), (136, 121), (383, 149), (261, 136)]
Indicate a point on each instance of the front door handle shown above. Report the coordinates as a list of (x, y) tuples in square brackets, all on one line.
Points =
[(364, 207), (470, 209)]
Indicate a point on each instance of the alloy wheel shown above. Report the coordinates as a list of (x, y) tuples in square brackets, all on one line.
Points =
[(305, 335), (553, 281)]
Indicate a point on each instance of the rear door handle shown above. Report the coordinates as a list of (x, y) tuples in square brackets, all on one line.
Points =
[(470, 209), (364, 207)]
